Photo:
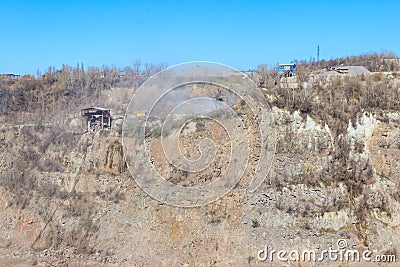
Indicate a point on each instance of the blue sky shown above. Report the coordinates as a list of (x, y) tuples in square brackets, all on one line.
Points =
[(38, 34)]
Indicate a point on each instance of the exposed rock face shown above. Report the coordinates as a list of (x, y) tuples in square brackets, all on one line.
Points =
[(67, 198)]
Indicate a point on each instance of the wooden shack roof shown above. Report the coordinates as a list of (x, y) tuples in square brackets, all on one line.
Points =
[(96, 108)]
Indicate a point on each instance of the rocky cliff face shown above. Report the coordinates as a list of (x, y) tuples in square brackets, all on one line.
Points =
[(67, 198)]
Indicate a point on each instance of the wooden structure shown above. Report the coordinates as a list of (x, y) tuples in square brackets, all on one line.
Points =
[(287, 70), (10, 76), (341, 70), (94, 118)]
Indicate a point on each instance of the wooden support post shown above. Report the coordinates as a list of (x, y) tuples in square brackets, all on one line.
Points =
[(102, 120)]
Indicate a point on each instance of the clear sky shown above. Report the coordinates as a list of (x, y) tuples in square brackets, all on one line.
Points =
[(243, 34)]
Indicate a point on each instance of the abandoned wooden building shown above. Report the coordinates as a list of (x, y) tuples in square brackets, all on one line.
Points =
[(94, 118), (10, 76), (287, 70)]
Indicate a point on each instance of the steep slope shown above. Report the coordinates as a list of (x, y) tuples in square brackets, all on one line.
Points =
[(67, 198)]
